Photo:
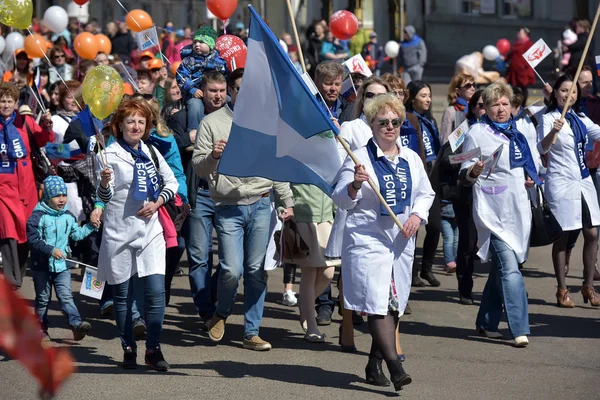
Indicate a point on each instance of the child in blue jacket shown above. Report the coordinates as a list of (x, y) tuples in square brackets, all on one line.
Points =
[(197, 59), (48, 231)]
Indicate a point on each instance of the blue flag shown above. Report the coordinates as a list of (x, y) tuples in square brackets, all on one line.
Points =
[(279, 131)]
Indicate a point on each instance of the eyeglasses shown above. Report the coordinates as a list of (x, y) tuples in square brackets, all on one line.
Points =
[(59, 56), (399, 93), (235, 88), (480, 105), (396, 122), (371, 95), (468, 86)]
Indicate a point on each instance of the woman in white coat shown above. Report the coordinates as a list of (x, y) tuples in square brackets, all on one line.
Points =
[(570, 190), (376, 256), (501, 212), (133, 249)]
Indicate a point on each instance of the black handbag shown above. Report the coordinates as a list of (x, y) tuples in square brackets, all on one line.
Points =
[(42, 168), (176, 208), (545, 229)]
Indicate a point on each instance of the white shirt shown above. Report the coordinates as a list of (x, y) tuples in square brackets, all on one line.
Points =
[(564, 185), (500, 203)]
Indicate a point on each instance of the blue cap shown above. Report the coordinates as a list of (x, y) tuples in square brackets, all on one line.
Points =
[(54, 186), (180, 33), (240, 26)]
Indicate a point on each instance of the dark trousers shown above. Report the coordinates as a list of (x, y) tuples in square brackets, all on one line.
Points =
[(325, 300), (14, 261), (289, 273), (467, 245), (432, 237)]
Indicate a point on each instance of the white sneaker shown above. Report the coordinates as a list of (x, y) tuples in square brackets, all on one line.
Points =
[(289, 299), (521, 341)]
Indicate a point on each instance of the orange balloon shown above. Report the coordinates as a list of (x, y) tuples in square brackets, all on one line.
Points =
[(174, 67), (138, 20), (35, 46), (104, 44), (86, 45)]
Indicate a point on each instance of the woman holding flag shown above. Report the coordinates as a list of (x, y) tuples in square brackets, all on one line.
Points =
[(377, 256), (569, 188), (501, 211)]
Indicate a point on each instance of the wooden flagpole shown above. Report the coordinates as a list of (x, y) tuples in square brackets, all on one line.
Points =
[(339, 138), (581, 62)]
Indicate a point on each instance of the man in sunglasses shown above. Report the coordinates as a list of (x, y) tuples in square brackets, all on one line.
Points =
[(60, 66)]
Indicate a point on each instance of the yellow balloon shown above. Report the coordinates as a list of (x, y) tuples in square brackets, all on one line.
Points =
[(102, 90), (16, 13)]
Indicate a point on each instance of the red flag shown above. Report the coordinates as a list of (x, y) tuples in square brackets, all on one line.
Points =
[(22, 339)]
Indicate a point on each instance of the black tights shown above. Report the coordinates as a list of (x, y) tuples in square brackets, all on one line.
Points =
[(383, 332)]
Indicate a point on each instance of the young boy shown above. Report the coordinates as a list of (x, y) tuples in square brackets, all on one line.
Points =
[(48, 231), (196, 60)]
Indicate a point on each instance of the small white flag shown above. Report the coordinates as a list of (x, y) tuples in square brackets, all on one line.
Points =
[(457, 137), (537, 53), (147, 39), (309, 82), (358, 65)]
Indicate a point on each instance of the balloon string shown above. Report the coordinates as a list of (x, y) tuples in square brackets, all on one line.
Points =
[(149, 38), (52, 65)]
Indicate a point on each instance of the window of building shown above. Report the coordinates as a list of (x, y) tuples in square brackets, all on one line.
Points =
[(504, 8), (516, 8)]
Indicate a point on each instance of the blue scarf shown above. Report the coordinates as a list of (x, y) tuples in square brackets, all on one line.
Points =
[(395, 183), (409, 136), (12, 146), (464, 103), (520, 153), (580, 133), (87, 125), (431, 137), (160, 143), (146, 182)]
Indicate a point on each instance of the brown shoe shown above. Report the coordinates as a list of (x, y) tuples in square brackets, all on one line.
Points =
[(567, 259), (563, 299), (216, 329), (257, 344), (589, 294)]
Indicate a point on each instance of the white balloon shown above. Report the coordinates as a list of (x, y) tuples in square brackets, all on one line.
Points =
[(392, 48), (2, 43), (490, 52), (14, 41), (56, 19), (79, 12)]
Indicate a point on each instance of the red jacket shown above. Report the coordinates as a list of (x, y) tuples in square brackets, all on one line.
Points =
[(519, 71), (18, 190)]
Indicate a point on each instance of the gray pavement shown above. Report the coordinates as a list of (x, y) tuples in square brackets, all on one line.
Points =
[(445, 357)]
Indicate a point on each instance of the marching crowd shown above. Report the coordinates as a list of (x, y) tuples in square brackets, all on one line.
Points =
[(153, 193)]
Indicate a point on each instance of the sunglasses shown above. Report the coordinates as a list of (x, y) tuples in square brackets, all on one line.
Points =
[(480, 105), (371, 95), (396, 122), (59, 56), (469, 86)]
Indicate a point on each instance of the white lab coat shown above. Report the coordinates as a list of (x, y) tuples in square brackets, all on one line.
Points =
[(130, 245), (373, 246), (500, 203), (564, 186)]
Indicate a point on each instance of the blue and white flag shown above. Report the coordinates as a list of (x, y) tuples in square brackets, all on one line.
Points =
[(279, 130)]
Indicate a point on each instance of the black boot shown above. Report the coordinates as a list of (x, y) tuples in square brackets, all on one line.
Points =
[(374, 373), (398, 376), (416, 282), (428, 276)]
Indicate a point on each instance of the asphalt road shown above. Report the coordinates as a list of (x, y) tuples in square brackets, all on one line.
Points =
[(445, 357)]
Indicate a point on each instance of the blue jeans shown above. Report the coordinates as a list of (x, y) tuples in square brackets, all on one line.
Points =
[(505, 286), (450, 235), (195, 112), (243, 233), (198, 241), (43, 282), (152, 289)]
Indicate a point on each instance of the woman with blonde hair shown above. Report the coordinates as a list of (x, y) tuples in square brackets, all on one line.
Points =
[(461, 89)]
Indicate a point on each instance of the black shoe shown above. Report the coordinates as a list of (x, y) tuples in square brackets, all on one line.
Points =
[(129, 358), (139, 329), (429, 277), (346, 349), (324, 316), (467, 301), (155, 360), (374, 373), (357, 319), (407, 310), (204, 320), (417, 282), (81, 330), (179, 272), (398, 376)]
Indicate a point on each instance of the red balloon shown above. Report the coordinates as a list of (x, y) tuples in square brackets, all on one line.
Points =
[(80, 2), (503, 46), (233, 50), (222, 9), (343, 25)]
